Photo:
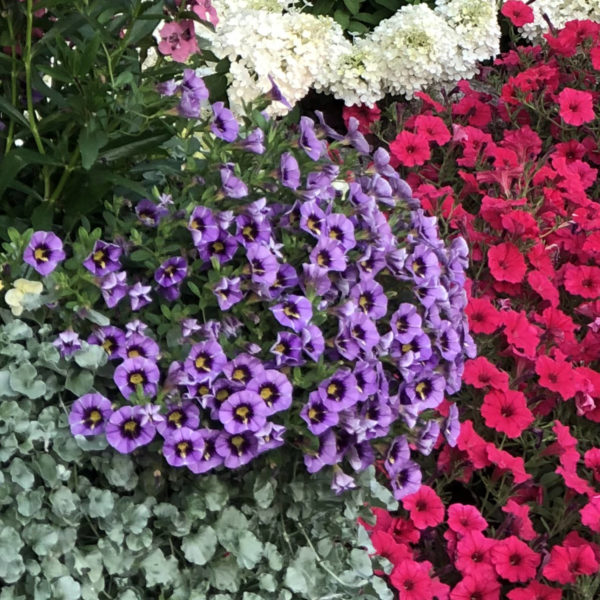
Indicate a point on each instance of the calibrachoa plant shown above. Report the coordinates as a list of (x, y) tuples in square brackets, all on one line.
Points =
[(304, 316), (512, 166)]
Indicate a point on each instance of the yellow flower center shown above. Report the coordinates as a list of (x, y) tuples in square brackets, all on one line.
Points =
[(218, 247), (406, 348), (289, 311), (247, 232), (420, 389), (41, 254), (239, 375), (222, 395), (176, 417), (313, 413), (130, 426), (107, 345), (200, 363), (266, 393), (183, 448), (98, 257), (243, 412), (133, 353), (136, 378), (238, 442), (332, 390)]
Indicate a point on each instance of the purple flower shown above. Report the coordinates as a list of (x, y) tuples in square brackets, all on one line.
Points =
[(205, 362), (171, 272), (252, 228), (138, 344), (407, 480), (221, 391), (224, 124), (276, 95), (137, 371), (329, 255), (313, 342), (398, 455), (139, 296), (243, 411), (370, 298), (228, 292), (287, 349), (44, 252), (270, 436), (416, 350), (135, 326), (289, 171), (451, 427), (167, 88), (254, 141), (125, 430), (203, 226), (359, 328), (243, 368), (428, 437), (151, 412), (232, 186), (361, 456), (236, 449), (426, 391), (67, 343), (317, 416), (274, 388), (193, 92), (366, 377), (339, 391), (223, 248), (294, 312), (447, 341), (183, 446), (406, 323), (326, 455), (179, 415), (189, 327), (104, 259), (315, 280), (371, 263), (262, 264), (339, 228), (114, 288), (342, 482), (422, 264), (149, 213), (111, 338), (209, 459), (89, 414), (312, 218), (286, 278), (308, 140)]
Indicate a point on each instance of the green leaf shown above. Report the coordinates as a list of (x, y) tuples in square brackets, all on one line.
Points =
[(22, 380), (64, 503), (342, 17), (225, 574), (66, 588), (90, 356), (137, 146), (200, 547), (158, 569), (353, 6), (17, 330), (90, 141), (21, 474), (100, 503), (79, 383), (10, 110), (361, 563), (229, 527), (356, 27), (250, 550)]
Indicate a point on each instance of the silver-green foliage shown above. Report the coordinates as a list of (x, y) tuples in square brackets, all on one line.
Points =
[(78, 520)]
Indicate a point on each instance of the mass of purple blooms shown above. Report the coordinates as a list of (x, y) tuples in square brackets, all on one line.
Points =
[(336, 317)]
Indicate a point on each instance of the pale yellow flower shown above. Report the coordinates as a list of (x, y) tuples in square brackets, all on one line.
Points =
[(21, 288)]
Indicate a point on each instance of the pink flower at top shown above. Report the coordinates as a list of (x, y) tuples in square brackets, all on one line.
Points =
[(425, 507), (205, 11), (576, 106), (178, 40), (517, 12)]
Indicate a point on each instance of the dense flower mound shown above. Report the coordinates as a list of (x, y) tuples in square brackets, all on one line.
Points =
[(306, 317), (512, 165)]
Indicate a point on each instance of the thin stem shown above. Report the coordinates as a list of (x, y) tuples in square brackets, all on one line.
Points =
[(65, 176), (13, 80)]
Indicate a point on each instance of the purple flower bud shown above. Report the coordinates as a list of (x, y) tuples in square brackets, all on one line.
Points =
[(289, 171)]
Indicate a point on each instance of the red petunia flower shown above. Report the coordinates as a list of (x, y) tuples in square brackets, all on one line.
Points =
[(518, 13), (429, 101), (481, 373), (506, 462), (590, 514), (542, 286), (576, 106), (514, 560), (483, 317), (521, 523), (412, 581), (582, 280), (591, 460), (476, 587), (385, 545), (535, 591), (520, 333), (520, 224), (506, 263), (473, 554), (557, 376), (506, 411), (595, 57), (573, 481), (433, 129), (463, 518), (473, 444), (568, 562), (425, 507), (410, 149), (364, 114)]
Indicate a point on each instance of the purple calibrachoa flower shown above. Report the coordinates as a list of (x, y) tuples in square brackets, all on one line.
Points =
[(308, 140), (114, 288), (126, 431), (286, 278), (148, 213), (193, 93), (139, 296), (232, 186), (67, 343), (289, 171), (224, 124), (312, 218), (426, 391), (137, 371), (205, 362), (423, 264), (252, 228), (171, 272), (111, 338), (236, 449), (339, 391), (293, 311), (262, 264), (362, 330), (103, 259), (243, 368), (274, 388), (243, 411), (342, 482), (398, 455), (222, 389), (276, 95), (189, 327), (317, 416), (326, 455), (253, 142), (210, 458), (451, 426), (228, 292), (428, 437), (135, 326), (329, 255), (89, 414), (223, 248), (44, 252), (138, 344), (183, 447), (270, 436), (287, 349), (338, 227), (313, 342), (203, 226), (407, 480), (406, 323), (315, 279), (370, 298)]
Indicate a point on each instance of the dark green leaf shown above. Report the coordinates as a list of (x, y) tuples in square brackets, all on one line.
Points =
[(353, 6)]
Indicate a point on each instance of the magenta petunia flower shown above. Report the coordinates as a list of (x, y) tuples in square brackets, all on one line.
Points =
[(127, 429), (89, 414), (137, 371), (44, 252)]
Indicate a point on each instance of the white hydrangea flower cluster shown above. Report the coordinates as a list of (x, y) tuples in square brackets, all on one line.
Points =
[(559, 12)]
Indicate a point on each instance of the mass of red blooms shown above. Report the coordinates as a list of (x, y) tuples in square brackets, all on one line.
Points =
[(510, 162)]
